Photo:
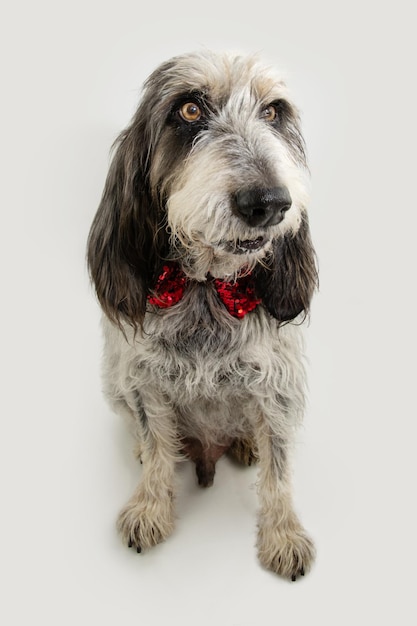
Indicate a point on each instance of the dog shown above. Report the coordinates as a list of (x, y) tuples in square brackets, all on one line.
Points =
[(202, 261)]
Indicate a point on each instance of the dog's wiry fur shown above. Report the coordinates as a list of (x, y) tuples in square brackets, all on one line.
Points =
[(192, 379)]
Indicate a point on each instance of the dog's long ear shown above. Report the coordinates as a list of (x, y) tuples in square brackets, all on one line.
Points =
[(127, 236), (287, 282)]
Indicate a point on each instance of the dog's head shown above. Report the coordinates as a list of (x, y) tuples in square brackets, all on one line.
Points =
[(211, 171)]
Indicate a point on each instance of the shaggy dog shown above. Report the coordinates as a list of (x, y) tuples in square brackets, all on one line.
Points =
[(202, 261)]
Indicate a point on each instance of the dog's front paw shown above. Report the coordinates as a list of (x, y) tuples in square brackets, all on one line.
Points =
[(146, 521), (287, 551)]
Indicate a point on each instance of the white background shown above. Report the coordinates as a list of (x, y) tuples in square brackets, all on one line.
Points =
[(70, 79)]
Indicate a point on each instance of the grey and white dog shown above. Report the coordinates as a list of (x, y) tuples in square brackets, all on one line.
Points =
[(202, 261)]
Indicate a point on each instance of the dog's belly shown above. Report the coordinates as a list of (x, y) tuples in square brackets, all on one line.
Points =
[(208, 426), (215, 421)]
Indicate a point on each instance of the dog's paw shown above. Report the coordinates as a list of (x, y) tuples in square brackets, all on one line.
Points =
[(146, 521), (244, 451), (288, 551)]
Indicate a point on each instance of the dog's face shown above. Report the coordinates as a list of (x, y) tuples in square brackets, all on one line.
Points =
[(211, 171), (227, 156)]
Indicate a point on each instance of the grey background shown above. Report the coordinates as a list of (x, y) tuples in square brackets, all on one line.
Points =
[(70, 79)]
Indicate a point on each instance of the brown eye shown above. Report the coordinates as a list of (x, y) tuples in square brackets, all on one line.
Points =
[(190, 112), (269, 113)]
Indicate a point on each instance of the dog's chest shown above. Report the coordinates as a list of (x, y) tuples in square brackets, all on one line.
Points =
[(207, 359), (208, 378), (215, 376), (203, 363)]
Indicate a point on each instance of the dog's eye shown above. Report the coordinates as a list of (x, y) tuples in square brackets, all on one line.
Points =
[(190, 112), (269, 113)]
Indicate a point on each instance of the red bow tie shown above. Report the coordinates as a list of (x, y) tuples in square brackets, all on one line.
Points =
[(238, 297)]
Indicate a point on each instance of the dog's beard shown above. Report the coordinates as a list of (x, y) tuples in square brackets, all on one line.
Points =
[(221, 258)]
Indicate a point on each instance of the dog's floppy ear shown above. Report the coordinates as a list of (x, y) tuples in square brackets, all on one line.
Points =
[(287, 282), (127, 236)]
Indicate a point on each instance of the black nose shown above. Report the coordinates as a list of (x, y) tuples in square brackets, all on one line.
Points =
[(262, 207)]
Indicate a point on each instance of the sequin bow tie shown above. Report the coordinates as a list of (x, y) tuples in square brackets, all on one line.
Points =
[(238, 296)]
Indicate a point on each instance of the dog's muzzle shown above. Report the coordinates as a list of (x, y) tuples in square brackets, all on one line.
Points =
[(262, 207)]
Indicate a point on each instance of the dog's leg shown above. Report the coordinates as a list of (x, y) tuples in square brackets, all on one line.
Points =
[(283, 545), (244, 451), (148, 517)]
